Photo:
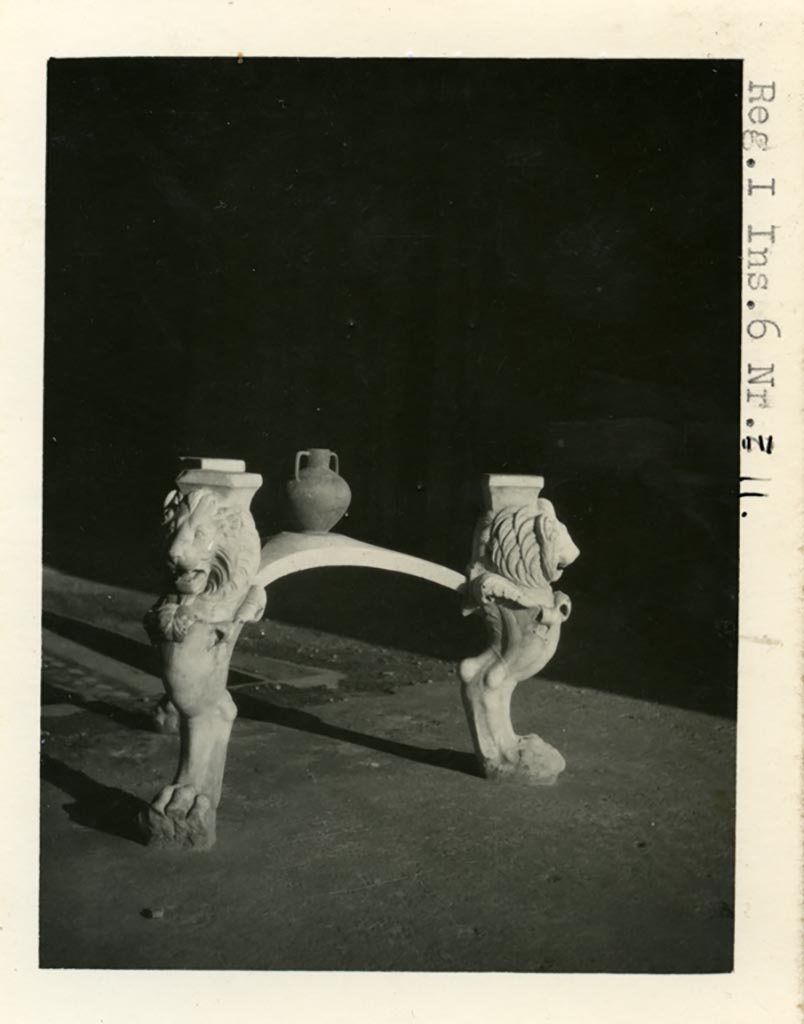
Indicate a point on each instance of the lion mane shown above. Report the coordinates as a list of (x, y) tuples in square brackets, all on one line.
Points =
[(202, 528), (204, 535), (519, 553), (527, 545)]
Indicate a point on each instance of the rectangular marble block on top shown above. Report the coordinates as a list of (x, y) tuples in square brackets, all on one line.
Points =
[(226, 476), (215, 465), (503, 489)]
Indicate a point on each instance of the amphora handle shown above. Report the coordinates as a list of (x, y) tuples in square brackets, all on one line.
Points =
[(333, 458)]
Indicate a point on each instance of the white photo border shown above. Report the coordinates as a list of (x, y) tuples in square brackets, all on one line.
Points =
[(766, 984)]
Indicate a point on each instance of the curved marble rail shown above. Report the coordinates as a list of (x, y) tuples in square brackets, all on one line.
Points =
[(288, 553)]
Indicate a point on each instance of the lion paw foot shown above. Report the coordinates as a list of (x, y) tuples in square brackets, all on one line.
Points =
[(165, 717), (532, 761), (180, 818)]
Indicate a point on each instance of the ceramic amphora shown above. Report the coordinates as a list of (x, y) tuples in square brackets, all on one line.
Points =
[(317, 495)]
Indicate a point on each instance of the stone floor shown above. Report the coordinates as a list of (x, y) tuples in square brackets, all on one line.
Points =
[(354, 833)]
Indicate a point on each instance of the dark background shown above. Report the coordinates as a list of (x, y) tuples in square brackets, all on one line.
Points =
[(438, 268)]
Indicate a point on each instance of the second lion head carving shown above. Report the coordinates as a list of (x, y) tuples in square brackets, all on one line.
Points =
[(213, 548)]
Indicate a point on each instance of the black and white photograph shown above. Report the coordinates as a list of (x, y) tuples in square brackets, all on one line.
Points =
[(391, 505)]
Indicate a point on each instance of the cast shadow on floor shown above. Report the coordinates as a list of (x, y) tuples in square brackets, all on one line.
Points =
[(250, 705), (103, 808), (260, 710), (51, 693), (116, 812)]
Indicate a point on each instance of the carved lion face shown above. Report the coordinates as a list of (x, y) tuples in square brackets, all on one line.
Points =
[(557, 547), (528, 545), (207, 541)]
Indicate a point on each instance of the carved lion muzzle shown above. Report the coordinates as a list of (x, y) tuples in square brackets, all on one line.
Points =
[(202, 536)]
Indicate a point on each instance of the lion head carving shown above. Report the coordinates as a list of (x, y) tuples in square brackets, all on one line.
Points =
[(213, 548), (519, 552), (528, 545)]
